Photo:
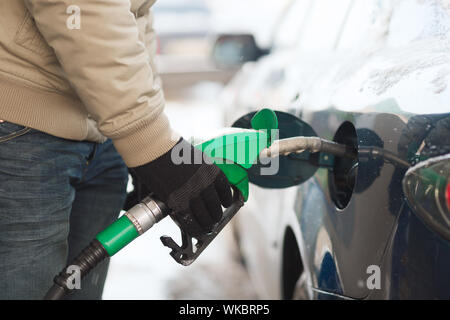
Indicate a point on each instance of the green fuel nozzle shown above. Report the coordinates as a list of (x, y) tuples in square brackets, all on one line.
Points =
[(233, 153)]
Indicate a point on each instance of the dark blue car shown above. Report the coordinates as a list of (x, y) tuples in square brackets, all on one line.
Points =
[(373, 75)]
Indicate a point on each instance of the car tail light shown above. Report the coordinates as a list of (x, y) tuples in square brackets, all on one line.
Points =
[(427, 190)]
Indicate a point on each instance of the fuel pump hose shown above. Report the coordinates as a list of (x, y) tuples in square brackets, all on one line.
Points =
[(131, 225)]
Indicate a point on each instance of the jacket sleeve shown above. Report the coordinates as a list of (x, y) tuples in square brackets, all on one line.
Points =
[(148, 37), (109, 67)]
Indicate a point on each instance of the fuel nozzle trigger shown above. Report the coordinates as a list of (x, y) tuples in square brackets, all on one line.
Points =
[(191, 247)]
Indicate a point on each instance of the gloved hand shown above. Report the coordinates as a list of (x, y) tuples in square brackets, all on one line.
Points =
[(194, 192)]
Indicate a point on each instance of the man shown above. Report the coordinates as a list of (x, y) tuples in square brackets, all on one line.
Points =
[(77, 83)]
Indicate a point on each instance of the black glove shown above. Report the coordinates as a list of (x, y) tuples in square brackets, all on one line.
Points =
[(194, 192)]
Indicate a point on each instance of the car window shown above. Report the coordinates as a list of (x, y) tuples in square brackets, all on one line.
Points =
[(324, 24), (364, 21), (289, 30)]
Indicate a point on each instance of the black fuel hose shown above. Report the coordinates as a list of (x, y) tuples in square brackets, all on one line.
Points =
[(87, 260), (388, 156)]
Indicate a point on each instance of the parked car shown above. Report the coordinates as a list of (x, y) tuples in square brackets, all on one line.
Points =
[(373, 75), (187, 29)]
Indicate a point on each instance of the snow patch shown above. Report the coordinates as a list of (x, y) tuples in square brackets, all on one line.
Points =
[(441, 80)]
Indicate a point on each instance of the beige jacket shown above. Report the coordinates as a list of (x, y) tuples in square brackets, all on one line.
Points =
[(78, 83)]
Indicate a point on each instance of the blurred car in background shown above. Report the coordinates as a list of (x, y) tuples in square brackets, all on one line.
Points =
[(188, 29), (183, 31), (372, 75)]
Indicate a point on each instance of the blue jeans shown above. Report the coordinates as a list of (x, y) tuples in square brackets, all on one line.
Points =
[(55, 196)]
